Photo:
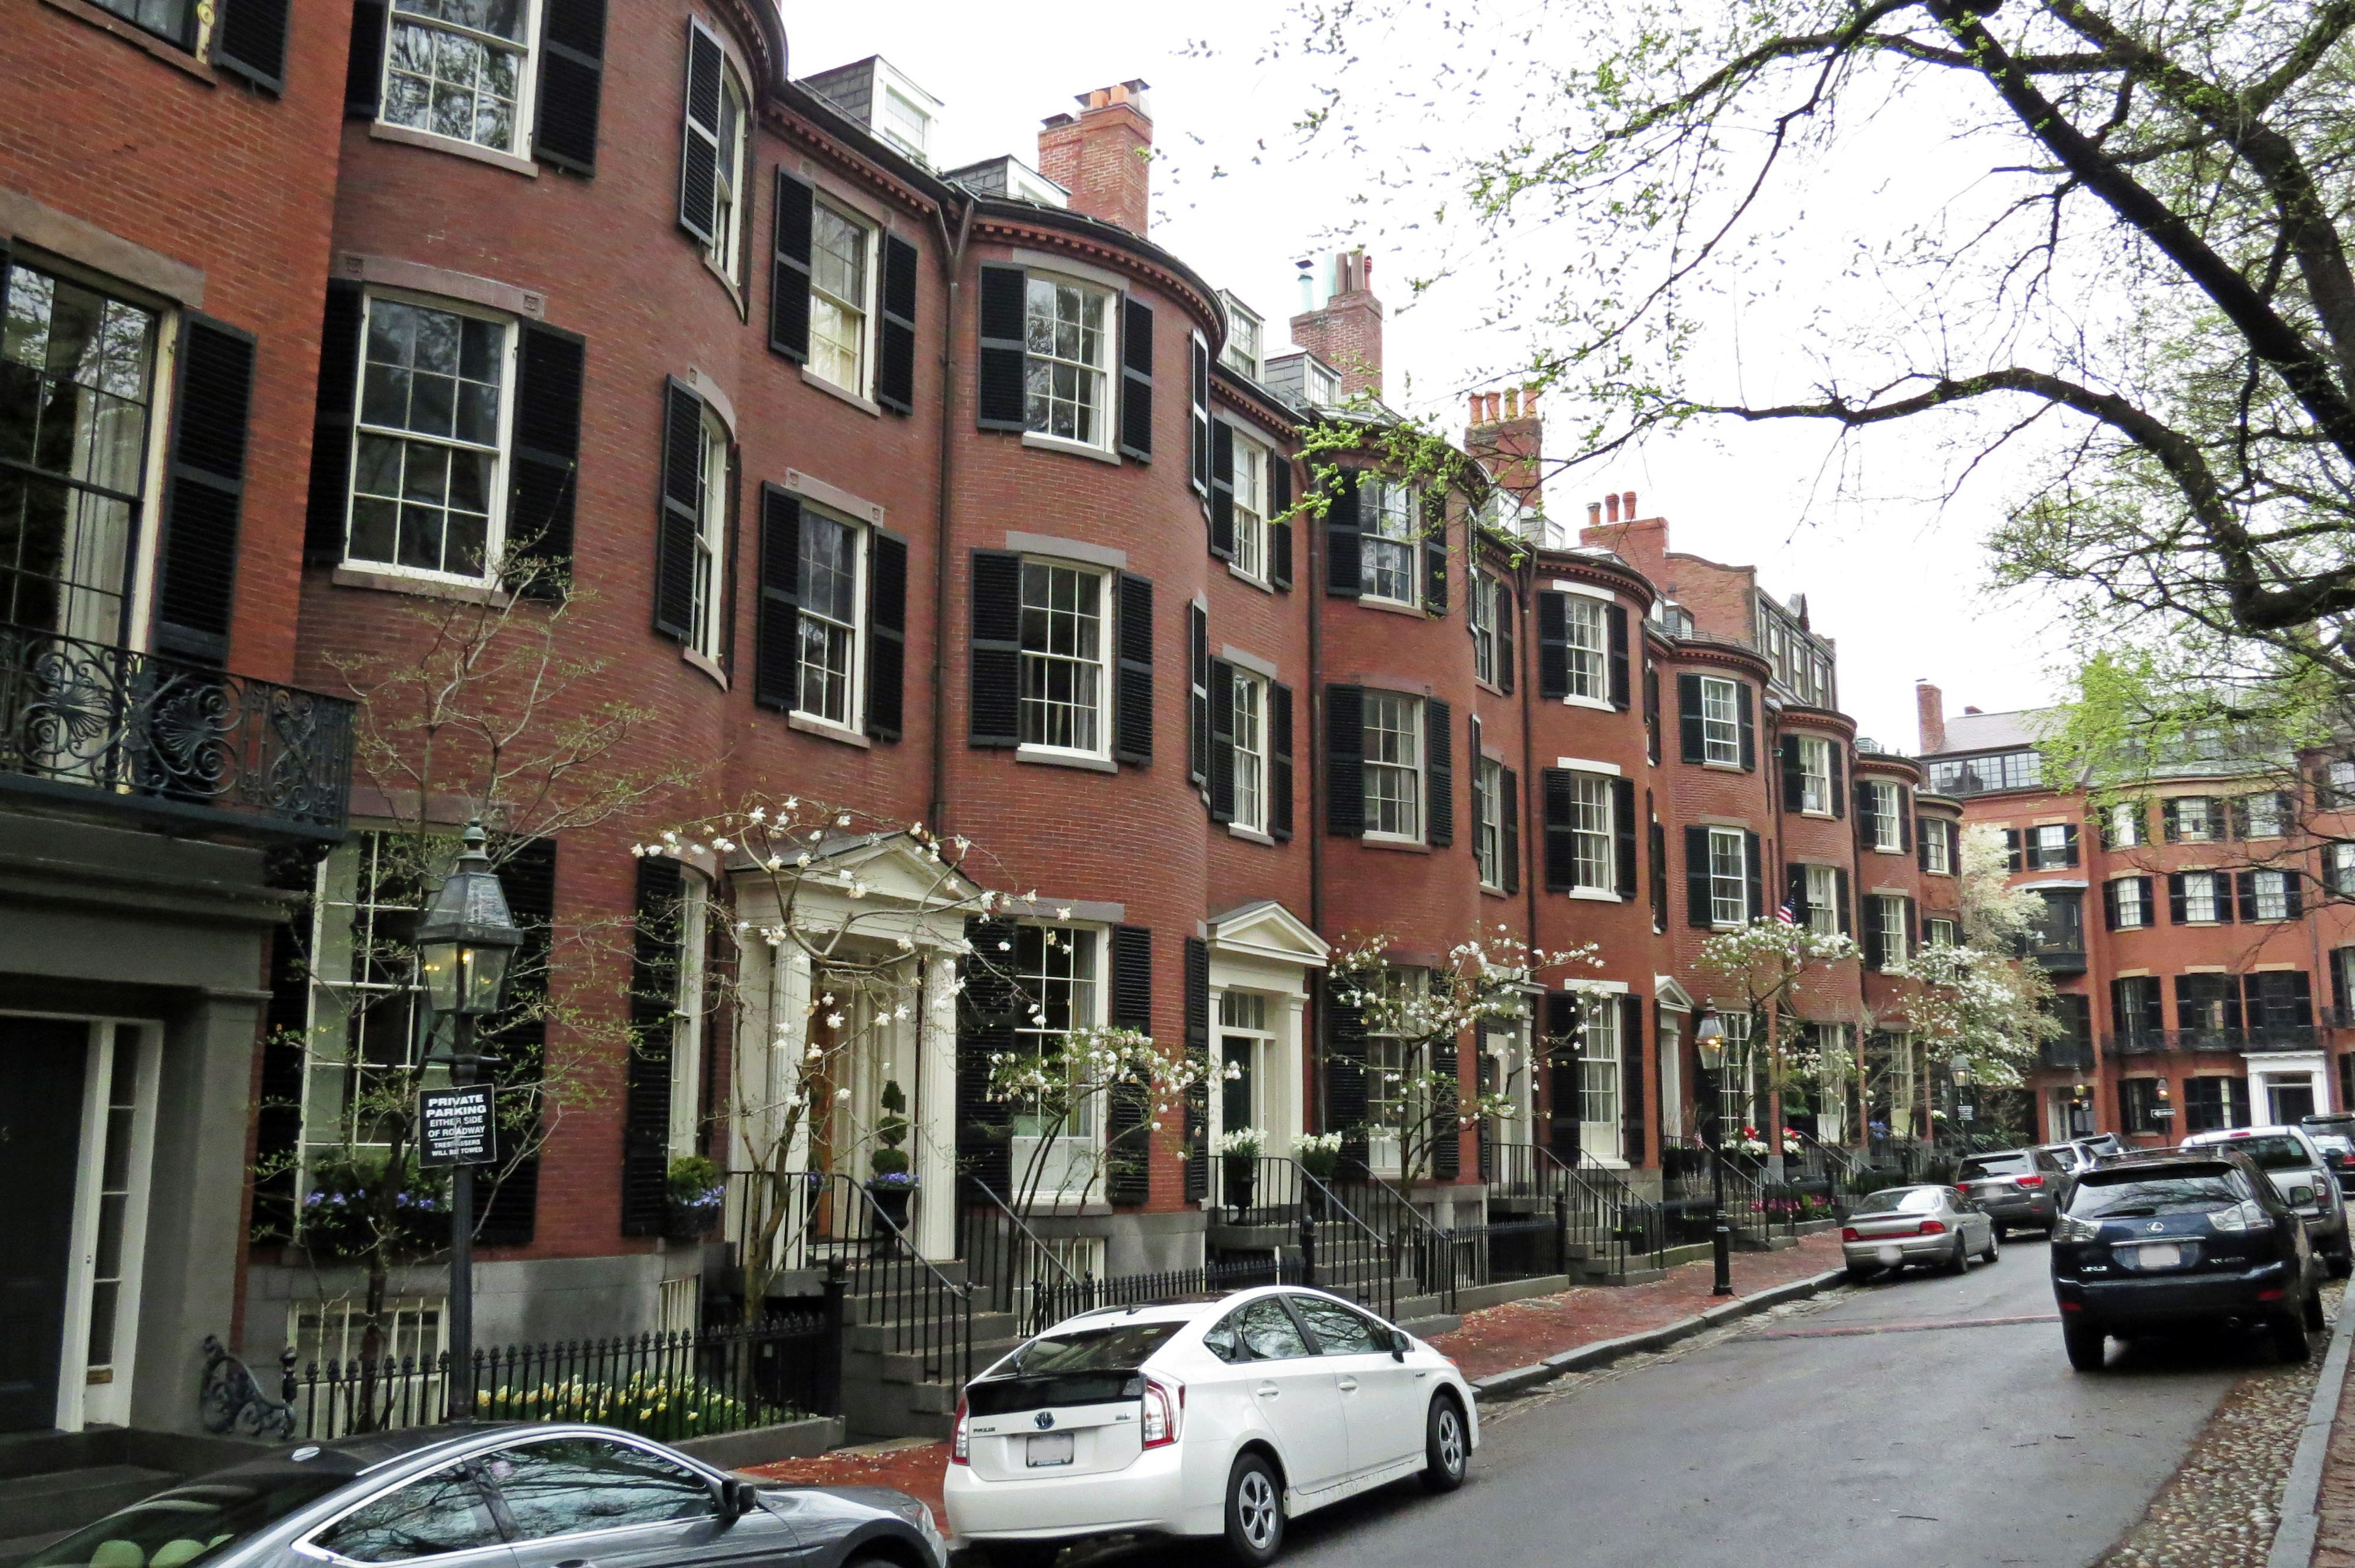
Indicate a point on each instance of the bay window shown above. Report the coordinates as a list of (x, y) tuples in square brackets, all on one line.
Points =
[(1066, 343), (1937, 845), (1883, 827)]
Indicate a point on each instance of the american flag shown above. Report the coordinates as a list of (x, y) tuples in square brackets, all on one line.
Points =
[(1784, 914)]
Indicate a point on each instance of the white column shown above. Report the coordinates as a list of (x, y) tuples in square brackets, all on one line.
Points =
[(932, 1116), (1288, 1106)]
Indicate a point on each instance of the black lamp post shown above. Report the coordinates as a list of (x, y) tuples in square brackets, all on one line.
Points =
[(1965, 1111), (463, 944), (1708, 1034)]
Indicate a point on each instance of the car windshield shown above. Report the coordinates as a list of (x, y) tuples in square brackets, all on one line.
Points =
[(2276, 1151), (2174, 1190), (1903, 1200), (189, 1524), (2017, 1163), (1113, 1348)]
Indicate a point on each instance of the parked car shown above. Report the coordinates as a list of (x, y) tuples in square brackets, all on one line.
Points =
[(2101, 1145), (2171, 1239), (509, 1495), (1902, 1225), (1223, 1418), (2290, 1158), (2014, 1187), (2071, 1157), (2339, 1153)]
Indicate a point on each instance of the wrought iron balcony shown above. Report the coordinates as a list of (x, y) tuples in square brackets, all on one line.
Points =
[(2265, 1037), (2062, 960), (2066, 1056), (82, 720)]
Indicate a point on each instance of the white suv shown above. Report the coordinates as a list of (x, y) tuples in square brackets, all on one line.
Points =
[(1221, 1418)]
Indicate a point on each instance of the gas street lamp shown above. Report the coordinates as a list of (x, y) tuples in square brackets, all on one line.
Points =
[(465, 943), (1709, 1035), (1965, 1109)]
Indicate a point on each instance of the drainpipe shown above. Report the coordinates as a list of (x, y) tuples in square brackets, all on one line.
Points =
[(1524, 638), (936, 811), (1312, 1054)]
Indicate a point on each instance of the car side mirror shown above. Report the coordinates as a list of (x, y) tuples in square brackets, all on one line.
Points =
[(736, 1498), (2299, 1196), (1399, 1343)]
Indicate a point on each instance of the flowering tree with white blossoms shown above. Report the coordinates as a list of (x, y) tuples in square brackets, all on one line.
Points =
[(1068, 1083), (1427, 1010), (1980, 999), (1760, 970)]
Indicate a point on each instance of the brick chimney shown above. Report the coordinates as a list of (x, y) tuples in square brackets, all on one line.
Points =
[(1347, 331), (1930, 705), (1103, 154), (1509, 442)]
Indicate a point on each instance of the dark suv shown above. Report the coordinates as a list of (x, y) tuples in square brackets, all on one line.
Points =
[(2014, 1186), (2171, 1239)]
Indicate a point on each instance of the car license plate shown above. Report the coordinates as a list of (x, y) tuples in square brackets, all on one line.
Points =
[(1890, 1256), (2151, 1254), (1050, 1449)]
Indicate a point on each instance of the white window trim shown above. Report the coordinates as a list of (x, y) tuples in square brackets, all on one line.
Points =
[(1107, 663), (687, 1025), (1888, 815), (1108, 374), (1480, 611), (871, 243), (1262, 537), (1491, 797), (1733, 704), (1822, 748), (1601, 602), (81, 1403), (2142, 920), (1893, 937), (1411, 544), (1259, 685), (1944, 837), (734, 168), (1742, 846), (854, 699), (712, 535), (526, 102), (494, 531), (1608, 891), (2217, 898), (1420, 771)]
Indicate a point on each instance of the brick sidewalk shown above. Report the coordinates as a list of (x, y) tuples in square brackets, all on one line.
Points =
[(1492, 1340), (2334, 1541)]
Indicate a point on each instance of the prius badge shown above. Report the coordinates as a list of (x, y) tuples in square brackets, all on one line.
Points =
[(1045, 1419)]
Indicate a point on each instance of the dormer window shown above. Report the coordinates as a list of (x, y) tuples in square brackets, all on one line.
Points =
[(906, 127), (1245, 336), (1323, 386), (873, 93)]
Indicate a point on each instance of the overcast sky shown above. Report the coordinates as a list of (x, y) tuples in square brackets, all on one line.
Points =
[(1892, 566)]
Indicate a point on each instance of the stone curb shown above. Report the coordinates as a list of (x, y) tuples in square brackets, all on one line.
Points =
[(1602, 1352), (2294, 1537)]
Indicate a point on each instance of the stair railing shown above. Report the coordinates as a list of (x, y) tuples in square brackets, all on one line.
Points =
[(1432, 1255), (1006, 1262)]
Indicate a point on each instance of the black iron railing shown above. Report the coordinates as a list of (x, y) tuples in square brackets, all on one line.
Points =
[(171, 738), (2265, 1037), (1008, 1267), (1428, 1254), (1086, 1293), (2065, 1055)]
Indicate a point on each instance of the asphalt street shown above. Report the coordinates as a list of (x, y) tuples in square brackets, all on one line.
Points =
[(1919, 1423)]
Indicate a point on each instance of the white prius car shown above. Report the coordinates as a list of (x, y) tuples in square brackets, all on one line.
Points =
[(1222, 1418)]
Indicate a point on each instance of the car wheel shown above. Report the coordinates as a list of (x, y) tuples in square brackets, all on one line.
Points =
[(1859, 1273), (998, 1554), (1254, 1511), (2315, 1321), (1446, 1446), (2085, 1343), (1961, 1261), (2340, 1264), (2290, 1343), (1994, 1246)]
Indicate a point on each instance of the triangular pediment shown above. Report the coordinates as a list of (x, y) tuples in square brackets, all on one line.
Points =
[(858, 873), (1670, 995), (1265, 929)]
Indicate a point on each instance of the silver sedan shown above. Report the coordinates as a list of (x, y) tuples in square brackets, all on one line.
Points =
[(1902, 1225)]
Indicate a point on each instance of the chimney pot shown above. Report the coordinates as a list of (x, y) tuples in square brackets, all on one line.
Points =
[(1967, 709), (1529, 403), (1475, 409), (1345, 330), (1629, 500), (1611, 507), (1594, 514), (1930, 711), (1101, 154), (1513, 403)]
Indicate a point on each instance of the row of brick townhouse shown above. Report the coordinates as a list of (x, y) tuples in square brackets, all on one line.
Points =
[(947, 494), (2199, 936)]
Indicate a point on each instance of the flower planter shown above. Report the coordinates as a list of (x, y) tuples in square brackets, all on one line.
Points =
[(689, 1221), (1240, 1181), (891, 1200)]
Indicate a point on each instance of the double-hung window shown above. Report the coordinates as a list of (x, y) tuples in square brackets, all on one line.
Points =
[(714, 480), (1064, 641), (175, 21), (1598, 1070), (460, 68), (2204, 896), (2263, 814), (1488, 822), (1729, 877), (1387, 546), (1055, 969), (2196, 819), (1883, 822), (1593, 854), (1815, 775), (842, 301), (1720, 719), (2048, 847), (1823, 901), (77, 404), (831, 566), (1251, 752), (1938, 934), (1251, 508), (1483, 612), (2125, 823), (1890, 913), (427, 487), (1586, 633), (1394, 766), (2338, 785), (1067, 343), (2127, 893), (2271, 892), (726, 252), (1937, 845)]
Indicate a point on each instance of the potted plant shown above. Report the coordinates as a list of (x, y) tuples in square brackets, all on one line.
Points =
[(890, 1180), (1320, 1155), (1239, 1150), (697, 1191)]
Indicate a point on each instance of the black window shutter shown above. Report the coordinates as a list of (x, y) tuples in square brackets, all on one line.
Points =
[(1278, 532), (1754, 853), (1222, 490), (654, 1006), (2301, 999), (2246, 889), (364, 69), (1434, 553), (1839, 896), (987, 1008), (777, 622), (2339, 1001), (1690, 719), (2236, 812), (2168, 821), (1904, 798), (999, 400), (571, 82), (2109, 906), (886, 634), (1129, 1171), (1343, 573), (1197, 1049), (1623, 827), (680, 519), (1132, 732), (1659, 851), (196, 561), (1345, 1074), (995, 681), (2174, 897), (2293, 894), (791, 235), (542, 487), (1631, 1078), (1560, 1052), (1697, 910), (1921, 843), (1840, 781), (2069, 843), (1796, 892), (1447, 1118), (1556, 801), (1554, 644), (1198, 414), (698, 168), (1651, 712), (2149, 914), (519, 1039), (1222, 740), (1875, 936), (1616, 615), (1794, 778), (1438, 773), (1505, 657), (1345, 761), (250, 40), (1749, 728), (331, 423), (1197, 693), (895, 360), (2013, 855), (1137, 380), (1509, 817), (1279, 768)]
